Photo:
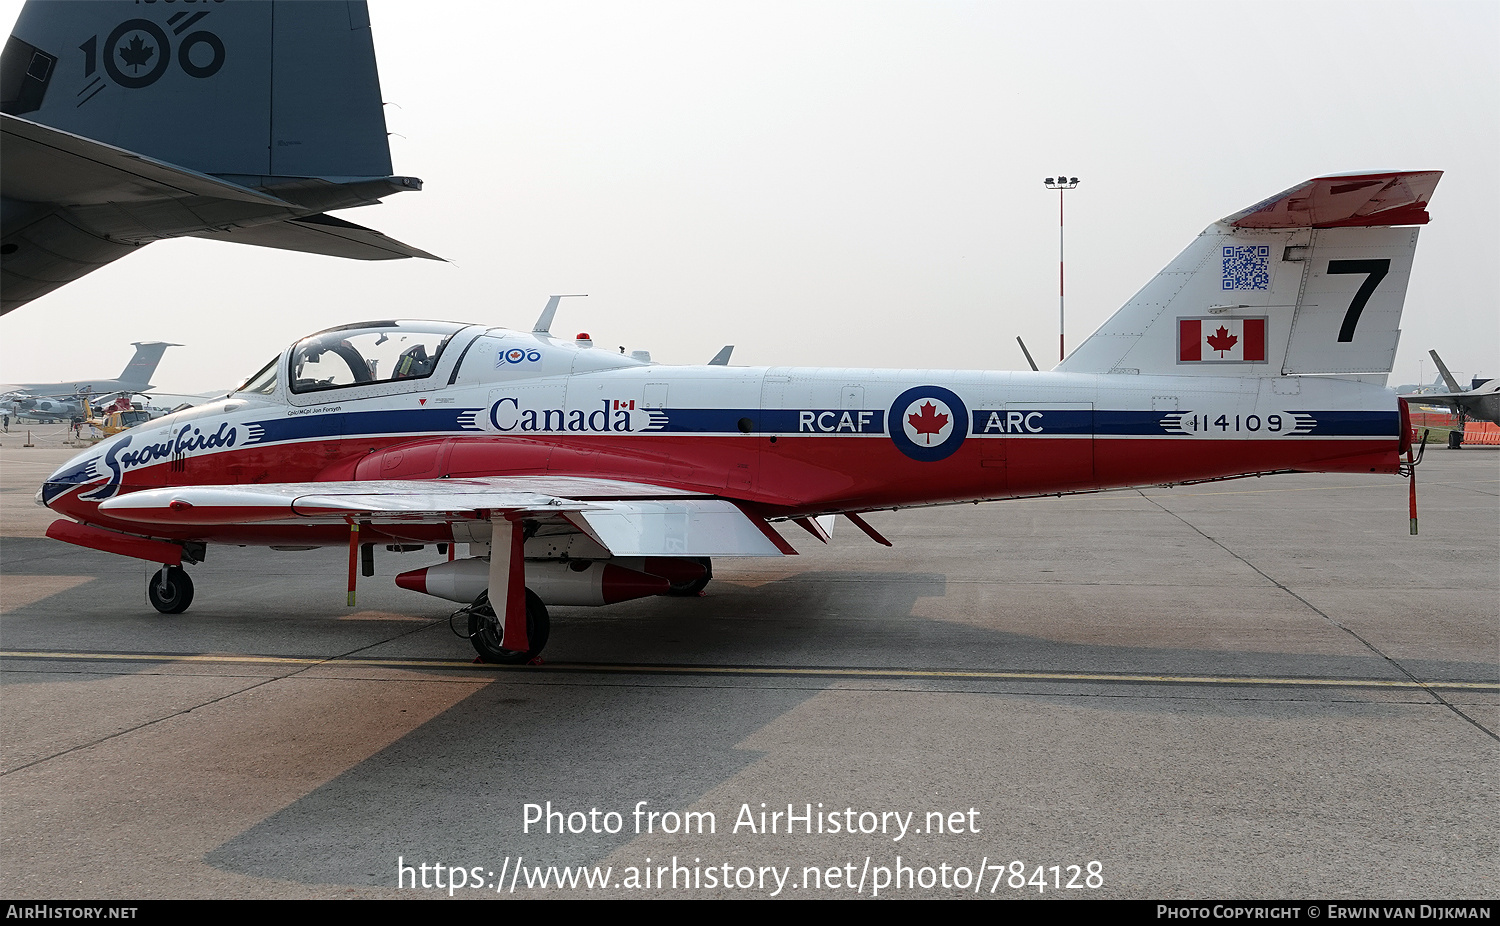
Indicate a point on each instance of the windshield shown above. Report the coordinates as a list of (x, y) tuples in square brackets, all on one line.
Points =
[(263, 382), (374, 352)]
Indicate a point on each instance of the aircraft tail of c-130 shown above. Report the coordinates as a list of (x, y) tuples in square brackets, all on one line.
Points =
[(125, 123)]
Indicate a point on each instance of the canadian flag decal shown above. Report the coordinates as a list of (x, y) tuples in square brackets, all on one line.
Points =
[(1221, 340)]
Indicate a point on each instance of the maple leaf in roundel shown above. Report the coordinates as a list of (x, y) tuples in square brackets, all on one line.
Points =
[(927, 421), (1222, 340), (136, 53)]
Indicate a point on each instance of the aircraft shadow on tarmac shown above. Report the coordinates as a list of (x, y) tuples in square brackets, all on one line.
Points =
[(805, 620), (453, 787)]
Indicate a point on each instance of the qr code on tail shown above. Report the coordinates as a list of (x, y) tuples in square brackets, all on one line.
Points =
[(1247, 266)]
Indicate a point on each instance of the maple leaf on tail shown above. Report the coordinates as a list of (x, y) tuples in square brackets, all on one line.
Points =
[(927, 421), (1222, 340), (136, 53)]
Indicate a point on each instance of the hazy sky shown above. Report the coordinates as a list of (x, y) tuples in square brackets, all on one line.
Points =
[(839, 184)]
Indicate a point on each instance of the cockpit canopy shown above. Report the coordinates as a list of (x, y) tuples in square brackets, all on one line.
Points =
[(369, 352)]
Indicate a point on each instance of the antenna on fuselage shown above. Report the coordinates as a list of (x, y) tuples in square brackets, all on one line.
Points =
[(544, 321), (721, 359), (1027, 353)]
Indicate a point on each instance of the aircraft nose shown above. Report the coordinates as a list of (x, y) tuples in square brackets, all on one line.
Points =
[(50, 490), (78, 471)]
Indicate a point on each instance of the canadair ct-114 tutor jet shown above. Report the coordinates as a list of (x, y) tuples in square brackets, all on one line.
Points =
[(579, 476)]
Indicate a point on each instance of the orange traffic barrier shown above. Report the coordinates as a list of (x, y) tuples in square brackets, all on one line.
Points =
[(1433, 420), (1482, 432)]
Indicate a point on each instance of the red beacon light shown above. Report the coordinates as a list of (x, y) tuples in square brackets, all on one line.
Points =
[(583, 339)]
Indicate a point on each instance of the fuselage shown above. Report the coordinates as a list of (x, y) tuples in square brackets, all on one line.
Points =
[(785, 441)]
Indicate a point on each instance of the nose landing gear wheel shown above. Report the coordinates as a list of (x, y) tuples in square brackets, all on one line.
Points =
[(170, 590), (487, 633)]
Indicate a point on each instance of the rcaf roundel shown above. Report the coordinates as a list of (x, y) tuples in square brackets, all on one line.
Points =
[(928, 423), (1221, 340)]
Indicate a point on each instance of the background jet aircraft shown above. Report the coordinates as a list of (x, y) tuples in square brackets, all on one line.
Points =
[(71, 399), (136, 377), (124, 124), (1481, 403)]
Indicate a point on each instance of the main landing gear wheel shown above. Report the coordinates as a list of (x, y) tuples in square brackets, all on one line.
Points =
[(694, 588), (487, 633), (170, 590)]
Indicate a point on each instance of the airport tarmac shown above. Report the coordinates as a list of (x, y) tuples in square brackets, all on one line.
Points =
[(1262, 688)]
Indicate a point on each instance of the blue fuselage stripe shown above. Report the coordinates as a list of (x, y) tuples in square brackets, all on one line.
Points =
[(984, 422), (354, 424)]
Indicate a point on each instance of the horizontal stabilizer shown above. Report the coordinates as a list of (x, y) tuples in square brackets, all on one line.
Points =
[(80, 204), (320, 234), (1344, 201), (46, 165), (75, 204)]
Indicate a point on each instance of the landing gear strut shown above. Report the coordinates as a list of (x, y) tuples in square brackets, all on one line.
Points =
[(487, 633), (170, 590)]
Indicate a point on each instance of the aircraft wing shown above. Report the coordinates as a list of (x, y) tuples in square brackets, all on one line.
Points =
[(1482, 404), (1449, 399), (627, 519)]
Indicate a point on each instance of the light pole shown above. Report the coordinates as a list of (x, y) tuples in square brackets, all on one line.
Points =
[(1060, 183)]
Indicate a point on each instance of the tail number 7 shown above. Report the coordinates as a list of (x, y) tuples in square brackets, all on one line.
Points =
[(1377, 269)]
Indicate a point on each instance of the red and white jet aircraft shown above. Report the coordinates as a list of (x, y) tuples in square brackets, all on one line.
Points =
[(578, 476)]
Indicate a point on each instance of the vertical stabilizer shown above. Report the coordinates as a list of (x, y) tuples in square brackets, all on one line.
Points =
[(1311, 280), (246, 89), (142, 366), (1449, 379)]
